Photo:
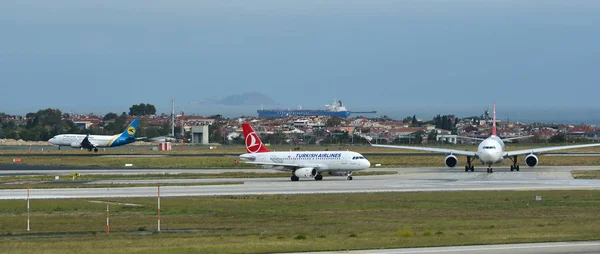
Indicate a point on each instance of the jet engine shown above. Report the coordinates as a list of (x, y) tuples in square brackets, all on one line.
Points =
[(531, 160), (305, 172), (451, 161), (76, 145)]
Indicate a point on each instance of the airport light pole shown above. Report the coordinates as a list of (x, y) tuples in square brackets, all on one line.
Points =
[(28, 229), (159, 208), (173, 118), (107, 214)]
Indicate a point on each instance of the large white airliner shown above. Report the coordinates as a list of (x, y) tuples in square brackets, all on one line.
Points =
[(490, 152), (302, 164), (92, 142)]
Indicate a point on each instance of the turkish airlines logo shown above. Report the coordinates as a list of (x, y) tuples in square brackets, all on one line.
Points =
[(251, 144)]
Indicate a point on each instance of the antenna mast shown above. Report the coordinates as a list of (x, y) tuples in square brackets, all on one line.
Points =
[(173, 118)]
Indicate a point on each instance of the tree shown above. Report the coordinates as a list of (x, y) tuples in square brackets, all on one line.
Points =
[(110, 116), (217, 117), (151, 132), (142, 109), (432, 136), (414, 119), (418, 139), (558, 138), (333, 121), (214, 135)]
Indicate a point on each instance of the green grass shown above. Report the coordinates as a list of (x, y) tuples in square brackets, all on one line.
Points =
[(228, 162), (50, 185), (586, 174), (285, 223)]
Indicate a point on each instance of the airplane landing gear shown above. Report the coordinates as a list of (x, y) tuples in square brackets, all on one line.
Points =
[(514, 166), (469, 166), (318, 177), (295, 178), (349, 176), (95, 150), (490, 169)]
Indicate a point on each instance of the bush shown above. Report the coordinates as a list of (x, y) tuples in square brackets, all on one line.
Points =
[(301, 237), (427, 233), (405, 233), (280, 237), (142, 228), (353, 235), (321, 236)]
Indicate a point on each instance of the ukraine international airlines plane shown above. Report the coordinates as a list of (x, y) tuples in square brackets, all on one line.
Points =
[(92, 142), (490, 152), (302, 164)]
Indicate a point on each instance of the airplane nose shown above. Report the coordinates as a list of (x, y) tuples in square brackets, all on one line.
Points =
[(366, 163)]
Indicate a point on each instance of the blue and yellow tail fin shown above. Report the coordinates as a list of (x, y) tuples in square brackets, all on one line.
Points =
[(131, 129)]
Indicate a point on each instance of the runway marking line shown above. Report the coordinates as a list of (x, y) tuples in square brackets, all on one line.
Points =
[(479, 248)]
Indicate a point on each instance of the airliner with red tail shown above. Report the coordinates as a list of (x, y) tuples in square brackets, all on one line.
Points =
[(302, 164), (490, 152)]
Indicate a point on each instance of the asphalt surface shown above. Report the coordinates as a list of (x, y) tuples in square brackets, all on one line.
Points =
[(20, 169), (592, 247), (406, 180)]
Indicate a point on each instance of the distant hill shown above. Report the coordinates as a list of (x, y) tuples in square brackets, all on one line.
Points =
[(247, 99)]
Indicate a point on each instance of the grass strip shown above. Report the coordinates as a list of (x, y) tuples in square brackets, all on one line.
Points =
[(286, 223), (46, 185), (586, 174), (228, 162)]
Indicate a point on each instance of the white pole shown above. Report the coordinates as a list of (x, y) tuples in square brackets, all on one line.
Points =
[(107, 215), (173, 118), (28, 229), (159, 208)]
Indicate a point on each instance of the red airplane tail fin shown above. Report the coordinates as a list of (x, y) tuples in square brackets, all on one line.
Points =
[(253, 143)]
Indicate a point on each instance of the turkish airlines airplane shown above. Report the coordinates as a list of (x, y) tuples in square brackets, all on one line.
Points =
[(92, 142), (490, 152), (302, 164)]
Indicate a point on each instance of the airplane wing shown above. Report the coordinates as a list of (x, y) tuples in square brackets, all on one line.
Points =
[(465, 137), (274, 164), (511, 139), (140, 138), (431, 149), (547, 149)]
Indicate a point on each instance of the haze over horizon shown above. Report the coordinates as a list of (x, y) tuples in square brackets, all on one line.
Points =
[(398, 57)]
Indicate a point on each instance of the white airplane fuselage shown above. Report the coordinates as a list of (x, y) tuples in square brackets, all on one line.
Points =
[(74, 140), (491, 150), (333, 162)]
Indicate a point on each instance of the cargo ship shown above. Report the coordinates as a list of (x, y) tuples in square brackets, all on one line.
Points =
[(336, 109)]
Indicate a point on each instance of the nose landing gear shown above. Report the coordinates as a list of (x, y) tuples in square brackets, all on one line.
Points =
[(490, 169)]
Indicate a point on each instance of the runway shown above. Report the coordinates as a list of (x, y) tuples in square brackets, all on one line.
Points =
[(404, 181), (59, 170), (592, 247)]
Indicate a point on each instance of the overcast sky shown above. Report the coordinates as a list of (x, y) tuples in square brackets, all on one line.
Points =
[(100, 56)]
